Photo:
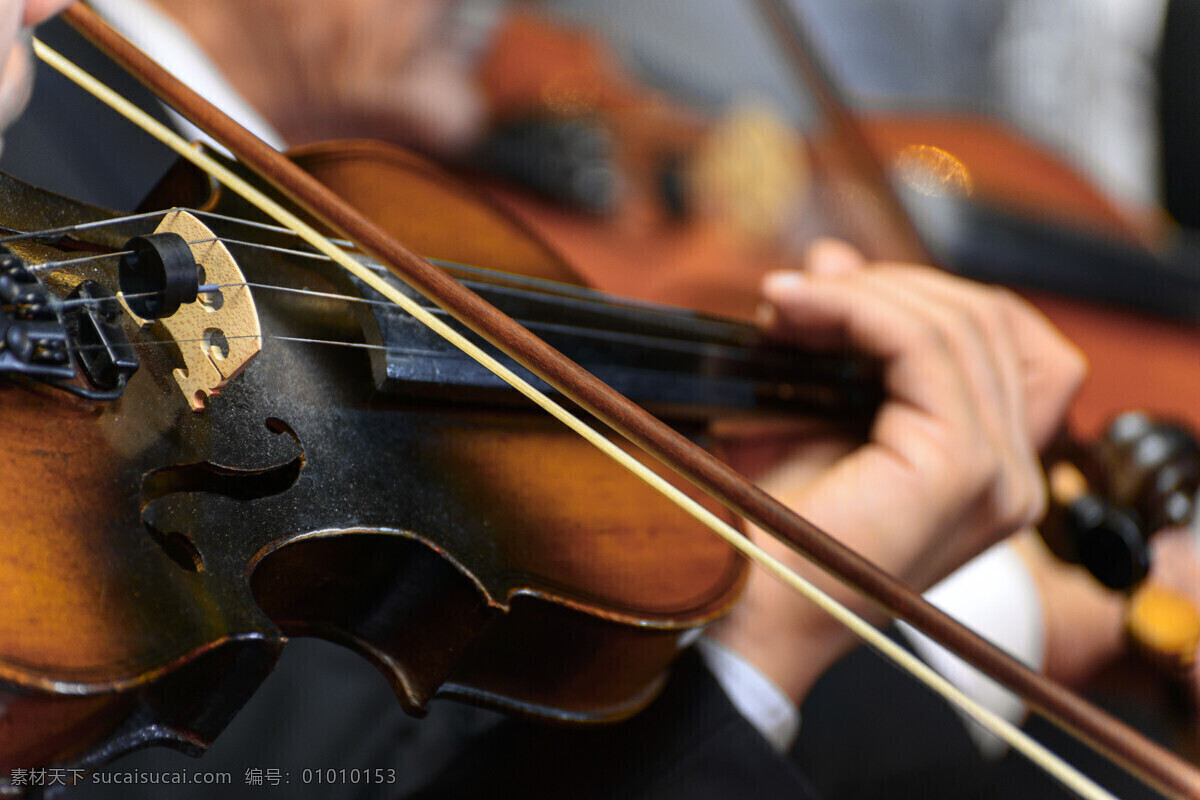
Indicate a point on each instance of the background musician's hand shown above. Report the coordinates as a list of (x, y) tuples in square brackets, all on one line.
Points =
[(976, 382), (16, 75), (395, 71)]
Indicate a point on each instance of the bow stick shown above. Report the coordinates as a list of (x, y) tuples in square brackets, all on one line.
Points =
[(1157, 766)]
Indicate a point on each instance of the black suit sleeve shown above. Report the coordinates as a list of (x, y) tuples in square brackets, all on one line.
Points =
[(690, 743)]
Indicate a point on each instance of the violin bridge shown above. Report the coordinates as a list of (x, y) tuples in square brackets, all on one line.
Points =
[(219, 333)]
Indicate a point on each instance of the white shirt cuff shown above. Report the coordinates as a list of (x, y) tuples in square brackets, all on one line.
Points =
[(995, 596), (753, 694)]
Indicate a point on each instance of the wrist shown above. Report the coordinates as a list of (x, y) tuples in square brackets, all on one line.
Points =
[(1084, 622), (791, 646)]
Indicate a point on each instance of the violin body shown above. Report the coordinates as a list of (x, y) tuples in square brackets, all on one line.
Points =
[(159, 557)]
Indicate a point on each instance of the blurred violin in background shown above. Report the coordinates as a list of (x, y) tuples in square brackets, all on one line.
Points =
[(713, 202)]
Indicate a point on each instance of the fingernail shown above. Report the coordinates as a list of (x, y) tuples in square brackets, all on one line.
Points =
[(833, 257), (765, 315), (782, 282)]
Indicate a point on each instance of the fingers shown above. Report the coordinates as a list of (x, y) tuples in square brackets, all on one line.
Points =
[(16, 68), (1052, 368), (975, 382), (832, 257), (40, 10), (984, 355), (865, 312)]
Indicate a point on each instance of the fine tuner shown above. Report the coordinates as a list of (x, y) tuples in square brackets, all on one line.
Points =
[(216, 331)]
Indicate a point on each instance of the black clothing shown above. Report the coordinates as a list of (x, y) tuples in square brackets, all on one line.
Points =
[(691, 744), (325, 717)]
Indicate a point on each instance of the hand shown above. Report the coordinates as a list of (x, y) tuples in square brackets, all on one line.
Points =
[(16, 73), (359, 68), (976, 382)]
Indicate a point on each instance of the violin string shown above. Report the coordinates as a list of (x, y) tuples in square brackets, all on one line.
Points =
[(1020, 741), (269, 336), (713, 332), (645, 344), (42, 266), (706, 326), (63, 305), (695, 349), (74, 262), (703, 346), (79, 226), (287, 251), (137, 217)]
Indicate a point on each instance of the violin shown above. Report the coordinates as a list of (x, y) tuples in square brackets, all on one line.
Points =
[(249, 650), (444, 495), (446, 489)]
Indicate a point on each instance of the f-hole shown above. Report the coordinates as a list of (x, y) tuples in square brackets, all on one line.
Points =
[(179, 548), (207, 477), (239, 484)]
